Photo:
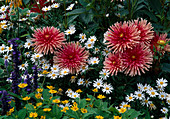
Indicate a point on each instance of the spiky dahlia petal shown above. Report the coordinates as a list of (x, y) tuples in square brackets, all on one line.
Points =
[(145, 29), (113, 63), (71, 56), (47, 39), (122, 36), (137, 59)]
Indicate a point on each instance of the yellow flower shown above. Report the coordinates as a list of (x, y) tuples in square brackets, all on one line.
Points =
[(100, 96), (83, 110), (47, 109), (34, 115), (22, 85), (88, 99), (38, 95), (74, 108), (52, 91), (40, 90), (16, 3), (26, 98), (122, 110), (42, 117), (50, 87), (65, 101), (64, 109), (45, 72), (79, 91), (126, 105), (11, 110), (56, 101), (95, 90), (99, 117), (39, 104), (117, 117)]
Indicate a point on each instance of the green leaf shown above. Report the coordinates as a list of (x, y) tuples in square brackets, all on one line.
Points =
[(4, 117), (82, 103), (1, 71), (72, 18), (56, 111), (155, 5), (113, 110), (46, 94), (29, 107), (26, 1), (83, 2), (76, 11), (33, 14), (22, 114), (24, 35)]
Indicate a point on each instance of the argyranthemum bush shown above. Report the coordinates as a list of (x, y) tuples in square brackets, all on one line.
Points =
[(99, 59)]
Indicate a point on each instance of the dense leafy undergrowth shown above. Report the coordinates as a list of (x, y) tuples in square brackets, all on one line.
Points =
[(84, 59)]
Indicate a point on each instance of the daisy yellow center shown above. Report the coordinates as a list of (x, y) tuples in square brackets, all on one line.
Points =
[(153, 93), (2, 48), (164, 110), (56, 5), (139, 95), (83, 67), (89, 45), (54, 68), (133, 57), (121, 35), (38, 56), (161, 83), (98, 84), (107, 88), (130, 98), (81, 82), (46, 67), (82, 37), (69, 32), (75, 96), (5, 26), (106, 51), (6, 57), (27, 53), (151, 105), (53, 75), (23, 65), (65, 72), (145, 88), (92, 40), (10, 48), (104, 74), (146, 101), (3, 9), (86, 81), (29, 43), (95, 61), (162, 96), (46, 9)]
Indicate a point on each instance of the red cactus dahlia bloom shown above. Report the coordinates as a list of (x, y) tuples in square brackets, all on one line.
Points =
[(47, 39), (146, 32), (137, 59), (113, 63), (122, 36), (71, 56)]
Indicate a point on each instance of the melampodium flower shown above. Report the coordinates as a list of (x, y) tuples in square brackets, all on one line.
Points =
[(47, 39), (16, 3), (145, 29), (33, 114), (113, 63), (22, 85), (71, 56), (122, 36), (137, 59)]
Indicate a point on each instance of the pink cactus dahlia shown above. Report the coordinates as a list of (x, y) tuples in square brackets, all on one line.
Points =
[(47, 39), (122, 36), (145, 29), (113, 63), (71, 56), (137, 59)]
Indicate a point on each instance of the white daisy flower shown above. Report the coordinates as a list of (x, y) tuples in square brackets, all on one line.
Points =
[(35, 57), (94, 60), (28, 13), (2, 48), (75, 95), (168, 100), (146, 101), (27, 54), (70, 7), (55, 68), (89, 45), (105, 52), (96, 50), (162, 95), (53, 75), (146, 87), (107, 88), (92, 39), (68, 32), (130, 97), (23, 66), (152, 93), (162, 82), (164, 110), (80, 81), (55, 5), (46, 8), (87, 82), (139, 95), (152, 106), (7, 57), (84, 68), (3, 16), (46, 66), (9, 48), (140, 86), (104, 74), (98, 83), (23, 19), (124, 105), (65, 71), (3, 9), (28, 43), (82, 37)]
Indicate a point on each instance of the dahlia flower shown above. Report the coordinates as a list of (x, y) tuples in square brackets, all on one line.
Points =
[(71, 56), (122, 36), (113, 63), (145, 29), (47, 39), (137, 59)]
